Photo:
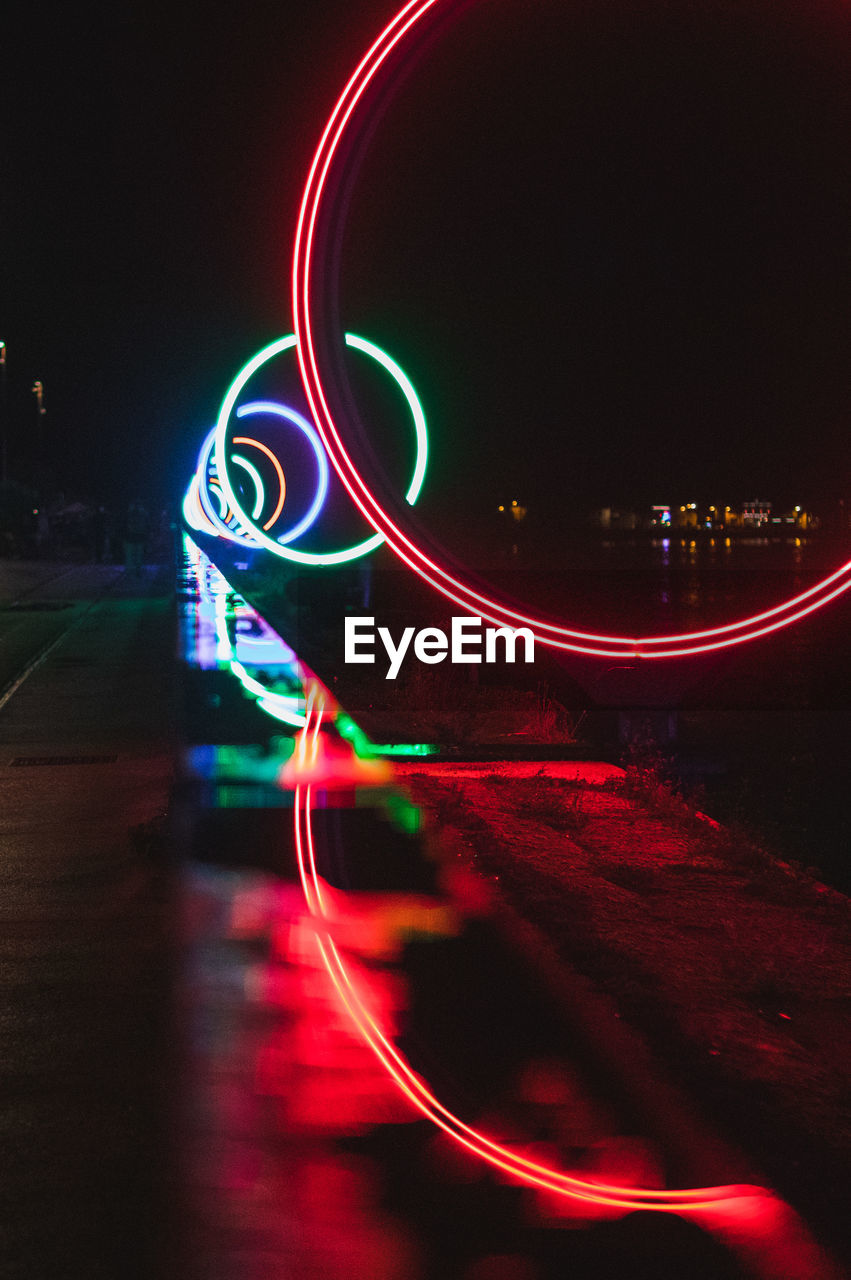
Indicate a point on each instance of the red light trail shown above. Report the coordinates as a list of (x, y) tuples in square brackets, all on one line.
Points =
[(309, 267), (508, 1161), (754, 1221)]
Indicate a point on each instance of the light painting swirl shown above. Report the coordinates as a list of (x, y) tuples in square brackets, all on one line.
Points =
[(214, 503)]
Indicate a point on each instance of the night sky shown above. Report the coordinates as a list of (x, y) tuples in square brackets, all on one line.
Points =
[(610, 243)]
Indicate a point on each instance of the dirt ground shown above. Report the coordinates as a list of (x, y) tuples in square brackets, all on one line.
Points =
[(734, 965)]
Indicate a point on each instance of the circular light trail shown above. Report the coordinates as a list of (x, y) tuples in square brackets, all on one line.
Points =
[(296, 419), (309, 709), (282, 484), (223, 521), (221, 459), (308, 269), (508, 1160), (215, 489), (257, 480), (193, 513)]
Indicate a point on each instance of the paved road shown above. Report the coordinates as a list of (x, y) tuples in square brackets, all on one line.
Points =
[(39, 602), (18, 578), (85, 769)]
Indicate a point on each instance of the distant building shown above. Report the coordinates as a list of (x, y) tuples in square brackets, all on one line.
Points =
[(685, 517), (664, 516), (756, 513)]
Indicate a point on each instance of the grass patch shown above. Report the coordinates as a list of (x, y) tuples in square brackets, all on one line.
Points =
[(552, 801), (549, 721)]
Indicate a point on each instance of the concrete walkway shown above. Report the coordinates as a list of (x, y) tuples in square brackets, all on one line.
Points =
[(85, 773)]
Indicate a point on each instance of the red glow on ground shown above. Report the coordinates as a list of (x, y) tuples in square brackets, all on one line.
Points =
[(357, 996)]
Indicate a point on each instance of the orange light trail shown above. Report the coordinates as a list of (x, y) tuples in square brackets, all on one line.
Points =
[(278, 468)]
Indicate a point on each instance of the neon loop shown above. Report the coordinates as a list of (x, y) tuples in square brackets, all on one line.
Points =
[(411, 1084), (194, 514), (308, 267), (290, 415), (209, 485), (211, 500), (257, 481), (220, 450), (282, 484), (215, 490)]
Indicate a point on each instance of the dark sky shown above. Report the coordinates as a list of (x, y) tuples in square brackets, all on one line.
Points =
[(609, 242)]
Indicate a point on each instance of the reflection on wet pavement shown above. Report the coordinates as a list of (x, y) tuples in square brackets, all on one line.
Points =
[(376, 1083)]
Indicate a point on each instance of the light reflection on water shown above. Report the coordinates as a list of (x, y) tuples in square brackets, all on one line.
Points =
[(634, 584), (763, 728)]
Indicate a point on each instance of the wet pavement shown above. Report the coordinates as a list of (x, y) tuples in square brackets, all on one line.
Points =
[(282, 1035), (39, 602), (86, 761)]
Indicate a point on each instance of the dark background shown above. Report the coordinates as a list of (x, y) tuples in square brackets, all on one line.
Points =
[(609, 243), (152, 162)]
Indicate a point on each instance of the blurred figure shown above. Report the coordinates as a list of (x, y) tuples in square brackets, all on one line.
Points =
[(42, 533), (135, 528)]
